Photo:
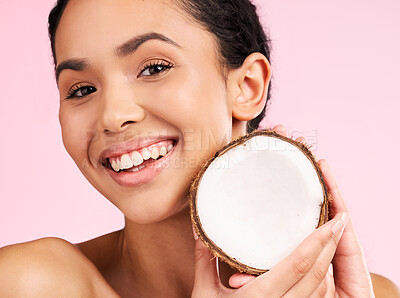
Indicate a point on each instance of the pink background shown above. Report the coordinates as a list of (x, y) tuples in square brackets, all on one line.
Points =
[(336, 75)]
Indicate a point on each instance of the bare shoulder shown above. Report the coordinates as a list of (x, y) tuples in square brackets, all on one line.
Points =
[(383, 287), (46, 267)]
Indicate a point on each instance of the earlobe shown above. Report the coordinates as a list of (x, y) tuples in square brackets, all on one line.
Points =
[(252, 80)]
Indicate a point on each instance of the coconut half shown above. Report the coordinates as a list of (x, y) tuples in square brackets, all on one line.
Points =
[(257, 199)]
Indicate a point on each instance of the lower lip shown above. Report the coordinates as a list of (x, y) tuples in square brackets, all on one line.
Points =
[(144, 175)]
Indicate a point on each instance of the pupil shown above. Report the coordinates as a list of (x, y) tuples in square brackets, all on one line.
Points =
[(158, 68), (87, 90)]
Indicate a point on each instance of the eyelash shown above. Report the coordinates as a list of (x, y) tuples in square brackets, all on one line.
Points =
[(79, 87), (166, 66)]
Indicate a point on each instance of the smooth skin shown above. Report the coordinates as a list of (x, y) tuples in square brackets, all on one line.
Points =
[(120, 96)]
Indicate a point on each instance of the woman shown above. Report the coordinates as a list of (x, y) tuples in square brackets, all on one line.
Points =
[(175, 80)]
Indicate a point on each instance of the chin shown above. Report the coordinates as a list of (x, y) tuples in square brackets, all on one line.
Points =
[(155, 210)]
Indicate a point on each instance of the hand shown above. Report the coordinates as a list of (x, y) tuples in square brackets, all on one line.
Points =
[(350, 271), (352, 278), (301, 274)]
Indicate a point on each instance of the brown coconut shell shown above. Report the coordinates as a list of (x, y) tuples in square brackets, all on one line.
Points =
[(215, 250)]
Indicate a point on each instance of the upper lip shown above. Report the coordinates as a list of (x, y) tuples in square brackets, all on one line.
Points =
[(131, 145)]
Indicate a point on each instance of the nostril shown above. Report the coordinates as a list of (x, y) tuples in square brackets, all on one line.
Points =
[(127, 123), (116, 130)]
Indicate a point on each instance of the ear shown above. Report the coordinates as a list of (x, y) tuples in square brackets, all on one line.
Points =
[(249, 86)]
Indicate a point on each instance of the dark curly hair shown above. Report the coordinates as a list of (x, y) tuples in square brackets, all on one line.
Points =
[(234, 23)]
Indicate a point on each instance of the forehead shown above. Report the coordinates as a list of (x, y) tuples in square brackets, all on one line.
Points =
[(91, 27)]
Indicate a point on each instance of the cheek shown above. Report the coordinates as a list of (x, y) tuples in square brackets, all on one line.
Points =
[(75, 135), (195, 102)]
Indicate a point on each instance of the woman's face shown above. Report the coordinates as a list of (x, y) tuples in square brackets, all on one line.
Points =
[(134, 73)]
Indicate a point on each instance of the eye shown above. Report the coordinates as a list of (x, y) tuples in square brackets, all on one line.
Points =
[(155, 68), (80, 90)]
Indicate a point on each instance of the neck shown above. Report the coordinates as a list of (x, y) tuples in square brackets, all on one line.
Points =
[(160, 256)]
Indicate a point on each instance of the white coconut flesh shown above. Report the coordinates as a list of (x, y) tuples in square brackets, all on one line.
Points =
[(259, 200)]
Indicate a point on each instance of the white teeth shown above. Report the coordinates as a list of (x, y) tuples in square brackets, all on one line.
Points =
[(125, 162), (146, 154), (163, 151), (115, 166), (154, 153), (136, 158), (135, 169)]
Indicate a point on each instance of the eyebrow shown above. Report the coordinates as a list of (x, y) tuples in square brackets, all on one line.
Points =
[(133, 44), (74, 64), (127, 48)]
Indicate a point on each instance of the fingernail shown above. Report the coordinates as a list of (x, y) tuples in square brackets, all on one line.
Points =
[(339, 226), (330, 270), (195, 234)]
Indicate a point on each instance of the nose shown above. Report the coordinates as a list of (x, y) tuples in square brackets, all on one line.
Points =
[(119, 108)]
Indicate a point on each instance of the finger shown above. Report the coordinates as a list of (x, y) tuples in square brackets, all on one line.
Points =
[(327, 288), (280, 129), (314, 279), (322, 289), (350, 248), (206, 277), (290, 270), (338, 204), (238, 280), (331, 289), (303, 141)]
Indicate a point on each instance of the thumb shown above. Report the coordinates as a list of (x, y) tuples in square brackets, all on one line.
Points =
[(206, 277)]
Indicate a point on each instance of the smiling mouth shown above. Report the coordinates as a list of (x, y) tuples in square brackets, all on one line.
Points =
[(136, 160)]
